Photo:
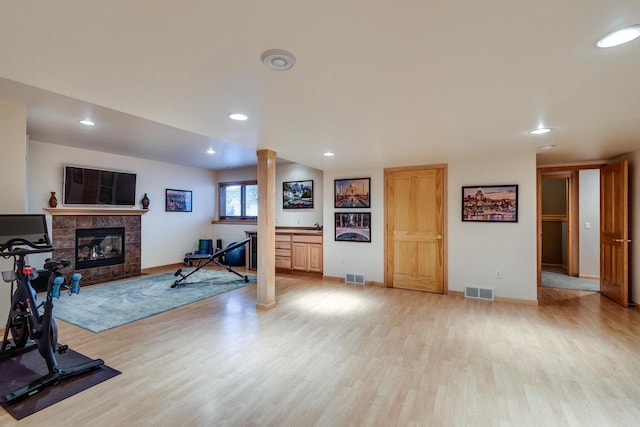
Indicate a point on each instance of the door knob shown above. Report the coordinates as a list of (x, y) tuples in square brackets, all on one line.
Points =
[(439, 237)]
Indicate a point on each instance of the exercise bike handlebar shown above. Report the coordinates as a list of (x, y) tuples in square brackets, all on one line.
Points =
[(8, 248)]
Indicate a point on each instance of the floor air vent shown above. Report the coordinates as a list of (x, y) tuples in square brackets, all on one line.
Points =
[(478, 293), (358, 279)]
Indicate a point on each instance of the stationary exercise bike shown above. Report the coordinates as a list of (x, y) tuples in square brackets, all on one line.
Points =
[(21, 235)]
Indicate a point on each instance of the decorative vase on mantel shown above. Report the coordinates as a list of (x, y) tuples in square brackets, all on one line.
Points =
[(145, 202), (53, 202)]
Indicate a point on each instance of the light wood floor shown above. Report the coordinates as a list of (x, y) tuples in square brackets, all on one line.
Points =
[(336, 355)]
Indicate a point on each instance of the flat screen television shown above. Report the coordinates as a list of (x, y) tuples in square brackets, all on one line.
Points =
[(84, 186)]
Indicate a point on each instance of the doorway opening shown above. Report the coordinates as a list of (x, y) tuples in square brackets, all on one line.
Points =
[(569, 228)]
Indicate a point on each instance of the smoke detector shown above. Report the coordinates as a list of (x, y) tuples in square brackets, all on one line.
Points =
[(278, 59)]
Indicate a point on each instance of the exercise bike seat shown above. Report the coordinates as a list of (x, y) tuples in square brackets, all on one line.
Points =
[(52, 264)]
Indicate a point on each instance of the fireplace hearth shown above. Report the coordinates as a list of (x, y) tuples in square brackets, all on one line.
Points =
[(99, 247)]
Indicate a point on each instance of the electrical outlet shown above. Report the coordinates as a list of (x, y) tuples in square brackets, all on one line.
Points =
[(498, 274)]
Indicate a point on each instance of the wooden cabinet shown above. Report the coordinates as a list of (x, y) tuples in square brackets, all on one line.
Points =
[(283, 251), (306, 253), (295, 252), (315, 258)]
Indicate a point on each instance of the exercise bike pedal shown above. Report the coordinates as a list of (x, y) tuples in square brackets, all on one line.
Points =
[(18, 317), (62, 348), (178, 273)]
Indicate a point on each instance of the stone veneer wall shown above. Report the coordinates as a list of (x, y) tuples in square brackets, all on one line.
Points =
[(64, 239)]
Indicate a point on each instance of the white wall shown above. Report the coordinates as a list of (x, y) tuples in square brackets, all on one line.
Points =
[(13, 130), (589, 214), (303, 217), (355, 257), (478, 250), (166, 236), (284, 217), (475, 250)]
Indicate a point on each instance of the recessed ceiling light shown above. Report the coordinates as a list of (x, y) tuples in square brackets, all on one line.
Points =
[(540, 131), (618, 37), (278, 59), (211, 151), (547, 147), (87, 122), (328, 154), (238, 116)]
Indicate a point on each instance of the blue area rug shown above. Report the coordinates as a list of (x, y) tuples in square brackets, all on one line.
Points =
[(98, 308)]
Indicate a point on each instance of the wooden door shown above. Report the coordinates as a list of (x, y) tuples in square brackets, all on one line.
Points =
[(415, 229), (614, 232)]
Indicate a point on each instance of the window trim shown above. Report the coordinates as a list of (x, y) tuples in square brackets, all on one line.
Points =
[(242, 219)]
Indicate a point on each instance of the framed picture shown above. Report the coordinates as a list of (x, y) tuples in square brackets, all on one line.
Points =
[(352, 193), (353, 226), (177, 200), (297, 194), (490, 203)]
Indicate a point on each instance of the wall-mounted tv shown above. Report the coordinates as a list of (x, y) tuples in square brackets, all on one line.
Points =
[(84, 186)]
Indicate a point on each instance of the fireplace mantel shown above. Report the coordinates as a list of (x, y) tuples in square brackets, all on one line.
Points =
[(96, 211)]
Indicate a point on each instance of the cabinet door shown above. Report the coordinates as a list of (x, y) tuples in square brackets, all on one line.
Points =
[(299, 256), (315, 257)]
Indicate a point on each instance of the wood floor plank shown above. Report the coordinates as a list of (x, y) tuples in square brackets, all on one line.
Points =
[(345, 355)]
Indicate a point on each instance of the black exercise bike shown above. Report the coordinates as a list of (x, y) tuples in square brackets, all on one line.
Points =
[(29, 326)]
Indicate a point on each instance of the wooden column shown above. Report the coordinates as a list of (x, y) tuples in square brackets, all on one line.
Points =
[(266, 298)]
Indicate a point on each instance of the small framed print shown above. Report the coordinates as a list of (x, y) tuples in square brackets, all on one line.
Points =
[(490, 203), (177, 200), (352, 193), (353, 226)]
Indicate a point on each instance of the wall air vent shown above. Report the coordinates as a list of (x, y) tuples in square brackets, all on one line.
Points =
[(357, 279), (478, 293)]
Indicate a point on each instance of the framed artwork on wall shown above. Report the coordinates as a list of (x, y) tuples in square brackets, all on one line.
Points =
[(352, 193), (297, 194), (490, 203), (353, 226), (177, 200)]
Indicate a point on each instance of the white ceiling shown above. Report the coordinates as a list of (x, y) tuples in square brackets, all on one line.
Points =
[(379, 83)]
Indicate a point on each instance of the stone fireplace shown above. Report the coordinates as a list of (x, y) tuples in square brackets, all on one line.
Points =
[(102, 244)]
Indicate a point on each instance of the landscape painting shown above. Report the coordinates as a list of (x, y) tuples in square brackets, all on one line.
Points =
[(297, 194), (490, 203)]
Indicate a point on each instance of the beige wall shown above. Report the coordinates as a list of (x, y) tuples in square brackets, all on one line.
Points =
[(355, 257), (166, 236), (478, 250), (284, 217), (475, 250), (590, 214), (13, 131)]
